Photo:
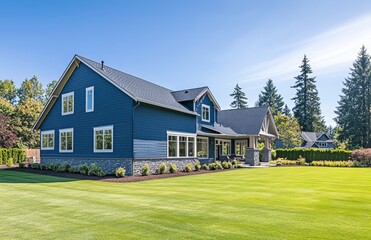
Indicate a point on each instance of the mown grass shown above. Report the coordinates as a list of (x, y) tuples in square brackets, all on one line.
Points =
[(269, 203)]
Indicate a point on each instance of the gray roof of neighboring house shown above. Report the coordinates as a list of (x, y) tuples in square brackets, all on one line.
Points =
[(137, 88), (312, 136), (243, 121), (188, 94)]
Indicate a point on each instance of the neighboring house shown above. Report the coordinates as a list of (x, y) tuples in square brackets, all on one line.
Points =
[(316, 140), (97, 114)]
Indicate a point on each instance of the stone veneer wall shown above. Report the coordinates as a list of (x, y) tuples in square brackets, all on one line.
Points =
[(267, 155), (108, 164), (252, 156), (154, 164)]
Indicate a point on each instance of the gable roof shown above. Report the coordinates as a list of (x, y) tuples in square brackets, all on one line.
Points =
[(194, 94), (313, 136), (138, 89), (244, 121)]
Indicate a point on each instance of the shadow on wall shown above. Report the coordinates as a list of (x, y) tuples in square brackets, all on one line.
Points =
[(13, 176)]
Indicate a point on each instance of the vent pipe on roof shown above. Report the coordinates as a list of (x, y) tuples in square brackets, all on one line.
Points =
[(102, 65)]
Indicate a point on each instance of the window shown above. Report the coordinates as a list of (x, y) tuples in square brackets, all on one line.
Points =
[(103, 139), (323, 144), (180, 145), (202, 147), (67, 103), (89, 92), (47, 140), (225, 146), (240, 147), (66, 140), (205, 113)]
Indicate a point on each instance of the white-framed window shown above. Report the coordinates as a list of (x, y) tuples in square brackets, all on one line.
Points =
[(202, 147), (47, 140), (180, 145), (323, 144), (66, 140), (240, 147), (89, 95), (205, 113), (103, 139), (225, 145), (67, 103)]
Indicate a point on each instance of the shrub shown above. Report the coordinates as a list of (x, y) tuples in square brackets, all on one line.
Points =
[(363, 156), (35, 166), (301, 161), (227, 165), (218, 165), (188, 167), (145, 170), (120, 172), (18, 155), (84, 169), (63, 167), (333, 163), (9, 162), (204, 167), (313, 154), (197, 165), (235, 162), (74, 169), (240, 165), (162, 168), (22, 165), (172, 168), (212, 166), (95, 170)]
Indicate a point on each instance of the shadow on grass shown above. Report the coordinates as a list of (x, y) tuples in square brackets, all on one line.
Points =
[(16, 176)]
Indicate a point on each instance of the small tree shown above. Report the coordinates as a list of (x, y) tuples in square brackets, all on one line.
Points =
[(7, 132), (31, 88), (288, 130), (8, 90), (240, 99)]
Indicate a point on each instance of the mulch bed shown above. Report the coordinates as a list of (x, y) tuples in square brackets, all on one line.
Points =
[(111, 178)]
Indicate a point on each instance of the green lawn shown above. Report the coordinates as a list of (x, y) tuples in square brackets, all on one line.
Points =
[(264, 203)]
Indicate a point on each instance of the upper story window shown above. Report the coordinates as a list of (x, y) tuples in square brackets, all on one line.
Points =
[(47, 140), (205, 113), (67, 103), (181, 145), (66, 140), (89, 106), (323, 144), (103, 139)]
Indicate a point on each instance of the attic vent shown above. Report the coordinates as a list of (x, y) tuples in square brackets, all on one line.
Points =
[(102, 67), (186, 91)]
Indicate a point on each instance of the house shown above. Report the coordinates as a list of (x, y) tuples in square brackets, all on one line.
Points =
[(97, 114), (316, 140)]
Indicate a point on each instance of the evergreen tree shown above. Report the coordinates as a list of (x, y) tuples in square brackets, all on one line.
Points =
[(307, 102), (286, 111), (270, 98), (354, 110), (240, 99)]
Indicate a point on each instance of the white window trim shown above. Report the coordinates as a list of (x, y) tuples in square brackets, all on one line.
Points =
[(73, 103), (235, 145), (181, 134), (92, 99), (60, 140), (110, 127), (207, 139), (41, 141), (202, 111), (222, 141)]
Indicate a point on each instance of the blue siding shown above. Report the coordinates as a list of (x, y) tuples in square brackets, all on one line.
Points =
[(188, 105), (111, 107), (205, 100), (151, 122), (323, 138)]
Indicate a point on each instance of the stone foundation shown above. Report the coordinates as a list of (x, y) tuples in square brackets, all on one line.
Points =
[(154, 164), (108, 165), (252, 156), (267, 155)]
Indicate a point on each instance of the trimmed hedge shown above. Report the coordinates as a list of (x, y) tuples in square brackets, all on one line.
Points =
[(312, 154), (18, 155)]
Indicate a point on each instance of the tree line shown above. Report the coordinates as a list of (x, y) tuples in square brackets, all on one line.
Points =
[(353, 129), (19, 109)]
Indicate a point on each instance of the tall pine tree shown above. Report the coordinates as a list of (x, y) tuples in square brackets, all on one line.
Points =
[(240, 99), (307, 102), (270, 98), (354, 110)]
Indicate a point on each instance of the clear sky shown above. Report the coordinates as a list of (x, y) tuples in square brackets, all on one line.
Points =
[(185, 44)]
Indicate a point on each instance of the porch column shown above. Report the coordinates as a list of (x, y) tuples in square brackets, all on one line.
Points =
[(252, 152), (267, 154)]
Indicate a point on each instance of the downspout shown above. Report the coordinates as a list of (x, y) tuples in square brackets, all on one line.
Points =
[(132, 150)]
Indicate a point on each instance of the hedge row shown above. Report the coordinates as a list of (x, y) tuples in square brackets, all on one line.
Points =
[(312, 154), (18, 155)]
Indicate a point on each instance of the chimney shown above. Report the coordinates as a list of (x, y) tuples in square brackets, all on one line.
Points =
[(102, 65)]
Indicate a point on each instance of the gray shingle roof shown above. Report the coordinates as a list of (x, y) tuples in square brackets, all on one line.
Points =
[(219, 128), (138, 88), (311, 136), (243, 121), (188, 94)]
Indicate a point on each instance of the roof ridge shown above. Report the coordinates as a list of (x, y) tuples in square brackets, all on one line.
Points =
[(239, 109), (189, 89)]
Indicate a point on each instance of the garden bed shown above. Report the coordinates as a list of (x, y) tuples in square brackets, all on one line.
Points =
[(111, 178)]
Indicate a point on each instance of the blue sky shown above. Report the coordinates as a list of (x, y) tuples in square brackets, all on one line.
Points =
[(186, 44)]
